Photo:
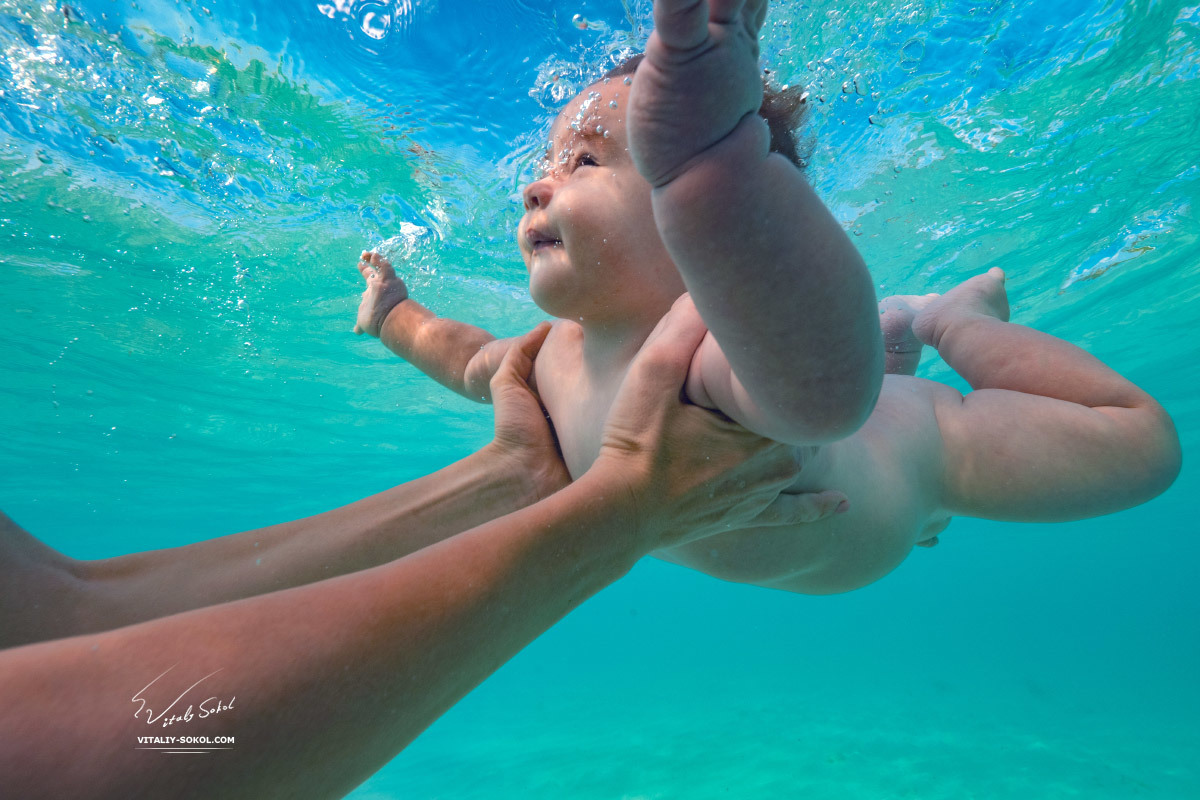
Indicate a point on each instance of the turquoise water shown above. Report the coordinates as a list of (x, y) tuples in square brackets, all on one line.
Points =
[(184, 187)]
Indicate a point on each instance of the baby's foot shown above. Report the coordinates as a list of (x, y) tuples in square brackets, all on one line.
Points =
[(896, 315), (982, 295)]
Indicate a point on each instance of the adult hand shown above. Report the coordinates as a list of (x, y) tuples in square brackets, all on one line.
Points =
[(689, 472), (524, 435)]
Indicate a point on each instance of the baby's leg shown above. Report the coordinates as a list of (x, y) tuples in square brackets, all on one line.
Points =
[(1050, 433), (969, 327)]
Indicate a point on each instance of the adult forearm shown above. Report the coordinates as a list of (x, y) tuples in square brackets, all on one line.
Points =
[(327, 682), (373, 531), (778, 283)]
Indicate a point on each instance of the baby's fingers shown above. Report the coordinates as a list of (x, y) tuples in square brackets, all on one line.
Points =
[(724, 12), (384, 267), (756, 12), (682, 24)]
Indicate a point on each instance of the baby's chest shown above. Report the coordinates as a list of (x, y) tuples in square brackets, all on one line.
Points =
[(577, 406), (579, 427)]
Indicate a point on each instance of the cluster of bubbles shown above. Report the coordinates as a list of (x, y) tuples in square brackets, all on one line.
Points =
[(376, 19), (414, 247)]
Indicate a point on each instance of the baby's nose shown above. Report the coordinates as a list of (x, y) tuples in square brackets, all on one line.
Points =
[(537, 194)]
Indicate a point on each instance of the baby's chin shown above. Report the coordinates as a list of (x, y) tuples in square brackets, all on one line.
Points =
[(549, 293), (556, 289)]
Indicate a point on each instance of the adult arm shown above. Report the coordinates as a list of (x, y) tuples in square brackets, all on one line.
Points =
[(327, 682), (47, 595), (783, 290)]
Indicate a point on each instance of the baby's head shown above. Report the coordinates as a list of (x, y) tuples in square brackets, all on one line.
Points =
[(588, 235)]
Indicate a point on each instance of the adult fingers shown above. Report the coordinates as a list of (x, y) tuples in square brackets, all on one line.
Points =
[(795, 509), (530, 344), (668, 351), (517, 364)]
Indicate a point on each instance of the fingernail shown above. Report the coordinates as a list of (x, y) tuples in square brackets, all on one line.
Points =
[(843, 507)]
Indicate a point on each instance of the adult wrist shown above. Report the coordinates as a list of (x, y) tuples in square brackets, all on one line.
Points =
[(624, 491), (504, 469)]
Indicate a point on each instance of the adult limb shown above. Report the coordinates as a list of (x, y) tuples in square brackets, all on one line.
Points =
[(328, 681), (47, 595)]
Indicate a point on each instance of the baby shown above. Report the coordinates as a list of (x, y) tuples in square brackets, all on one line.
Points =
[(660, 188)]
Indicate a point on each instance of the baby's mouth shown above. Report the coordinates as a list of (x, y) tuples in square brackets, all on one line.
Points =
[(539, 241)]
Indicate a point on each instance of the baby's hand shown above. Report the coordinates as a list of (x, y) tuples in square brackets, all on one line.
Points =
[(384, 292), (699, 79)]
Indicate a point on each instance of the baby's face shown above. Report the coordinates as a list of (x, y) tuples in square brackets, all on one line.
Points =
[(588, 235)]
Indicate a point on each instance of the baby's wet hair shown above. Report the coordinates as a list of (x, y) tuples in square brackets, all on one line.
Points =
[(785, 111)]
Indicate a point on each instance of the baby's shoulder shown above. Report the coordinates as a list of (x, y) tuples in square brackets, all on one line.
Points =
[(563, 333), (560, 354), (563, 345)]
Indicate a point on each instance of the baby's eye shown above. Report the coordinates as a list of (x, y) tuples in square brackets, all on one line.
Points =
[(586, 160)]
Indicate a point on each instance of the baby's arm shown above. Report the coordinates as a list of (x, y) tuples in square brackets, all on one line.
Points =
[(455, 354), (1050, 433), (773, 274)]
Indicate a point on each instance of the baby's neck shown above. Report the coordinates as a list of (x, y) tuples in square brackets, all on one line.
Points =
[(609, 347)]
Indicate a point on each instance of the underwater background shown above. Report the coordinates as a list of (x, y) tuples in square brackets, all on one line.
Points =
[(185, 187)]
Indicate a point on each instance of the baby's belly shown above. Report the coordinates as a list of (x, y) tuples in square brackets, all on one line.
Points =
[(837, 554), (823, 557)]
